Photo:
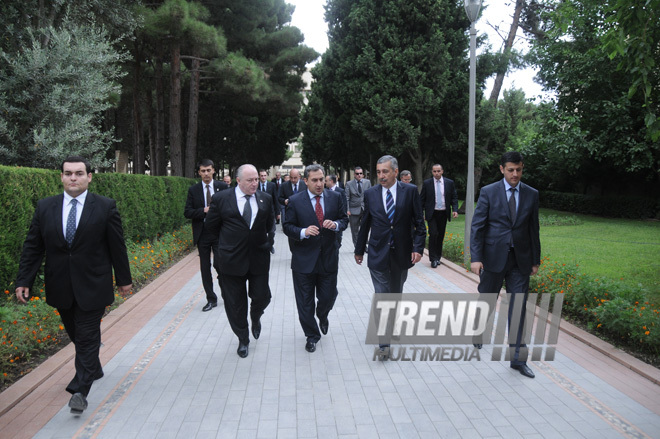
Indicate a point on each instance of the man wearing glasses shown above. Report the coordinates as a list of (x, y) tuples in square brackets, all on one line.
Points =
[(355, 200)]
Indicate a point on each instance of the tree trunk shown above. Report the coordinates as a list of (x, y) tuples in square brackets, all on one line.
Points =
[(499, 79), (193, 112), (161, 157), (176, 157), (151, 115), (138, 147), (420, 163)]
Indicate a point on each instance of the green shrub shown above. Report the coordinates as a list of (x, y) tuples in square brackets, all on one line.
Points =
[(614, 206)]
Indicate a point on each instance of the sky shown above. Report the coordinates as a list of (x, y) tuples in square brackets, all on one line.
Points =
[(308, 17)]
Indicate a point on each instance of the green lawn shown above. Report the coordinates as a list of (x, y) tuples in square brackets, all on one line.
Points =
[(613, 248)]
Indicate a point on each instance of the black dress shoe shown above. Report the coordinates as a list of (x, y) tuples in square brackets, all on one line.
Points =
[(310, 346), (256, 328), (209, 306), (242, 350), (478, 345), (434, 263), (523, 369), (78, 403), (324, 326), (272, 250), (384, 353)]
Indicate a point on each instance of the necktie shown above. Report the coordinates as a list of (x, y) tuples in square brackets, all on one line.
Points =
[(247, 211), (319, 210), (359, 183), (71, 222), (208, 195), (295, 188), (389, 204), (512, 204), (438, 195)]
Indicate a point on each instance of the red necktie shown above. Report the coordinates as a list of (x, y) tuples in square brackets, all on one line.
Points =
[(319, 210)]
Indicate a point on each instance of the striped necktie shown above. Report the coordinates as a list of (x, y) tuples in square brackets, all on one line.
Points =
[(389, 204)]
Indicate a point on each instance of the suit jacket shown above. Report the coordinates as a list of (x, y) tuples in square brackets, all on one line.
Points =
[(271, 189), (194, 209), (286, 190), (409, 227), (301, 214), (240, 248), (277, 185), (84, 271), (428, 197), (355, 199), (492, 229)]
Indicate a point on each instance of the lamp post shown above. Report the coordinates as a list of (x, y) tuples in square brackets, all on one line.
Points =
[(472, 9)]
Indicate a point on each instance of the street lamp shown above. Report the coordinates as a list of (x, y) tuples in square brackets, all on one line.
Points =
[(472, 9)]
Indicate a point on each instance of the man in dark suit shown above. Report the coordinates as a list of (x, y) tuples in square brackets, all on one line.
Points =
[(438, 198), (197, 205), (313, 219), (355, 190), (291, 187), (393, 214), (270, 189), (242, 219), (331, 184), (227, 180), (278, 180), (505, 245), (81, 235), (406, 177)]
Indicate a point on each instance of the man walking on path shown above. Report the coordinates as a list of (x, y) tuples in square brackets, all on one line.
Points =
[(81, 236), (355, 200), (505, 246)]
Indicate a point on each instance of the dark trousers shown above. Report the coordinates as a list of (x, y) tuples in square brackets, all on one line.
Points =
[(517, 284), (235, 293), (354, 221), (84, 329), (309, 287), (204, 250), (437, 227), (389, 281)]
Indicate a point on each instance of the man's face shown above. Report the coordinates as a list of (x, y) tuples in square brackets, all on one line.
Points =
[(263, 176), (406, 178), (328, 182), (437, 172), (278, 175), (386, 175), (295, 176), (512, 172), (286, 178), (359, 173), (248, 180), (206, 172), (226, 179), (315, 182), (75, 178)]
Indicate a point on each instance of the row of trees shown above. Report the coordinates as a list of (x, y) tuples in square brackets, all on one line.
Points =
[(165, 81), (395, 80)]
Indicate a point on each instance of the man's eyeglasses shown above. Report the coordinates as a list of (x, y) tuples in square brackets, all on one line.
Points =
[(358, 173)]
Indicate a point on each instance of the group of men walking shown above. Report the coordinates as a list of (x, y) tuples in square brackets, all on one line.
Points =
[(81, 236)]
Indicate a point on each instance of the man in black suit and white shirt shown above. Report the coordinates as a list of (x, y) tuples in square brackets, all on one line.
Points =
[(243, 222), (313, 219), (438, 198), (505, 244), (331, 184), (81, 235), (197, 205), (271, 189), (291, 187)]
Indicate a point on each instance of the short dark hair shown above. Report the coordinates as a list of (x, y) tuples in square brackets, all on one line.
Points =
[(438, 164), (77, 159), (333, 177), (313, 168), (404, 173), (394, 164), (205, 163), (511, 157)]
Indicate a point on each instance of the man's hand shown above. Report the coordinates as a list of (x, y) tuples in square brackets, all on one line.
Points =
[(455, 214), (358, 259), (22, 294), (415, 257), (348, 213), (535, 269), (206, 209), (329, 224), (125, 289), (286, 202), (476, 267), (312, 231)]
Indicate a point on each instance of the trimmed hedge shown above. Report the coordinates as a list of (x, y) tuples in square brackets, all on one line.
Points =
[(148, 206), (613, 206)]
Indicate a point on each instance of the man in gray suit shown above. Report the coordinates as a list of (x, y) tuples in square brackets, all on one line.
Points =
[(505, 244), (355, 200)]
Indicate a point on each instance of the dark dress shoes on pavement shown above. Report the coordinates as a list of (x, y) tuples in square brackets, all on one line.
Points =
[(310, 346), (324, 326), (242, 350), (478, 345), (78, 403), (256, 328), (523, 369), (384, 353), (434, 264), (209, 306)]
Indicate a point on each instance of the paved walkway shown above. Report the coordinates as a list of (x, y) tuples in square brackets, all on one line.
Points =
[(172, 371)]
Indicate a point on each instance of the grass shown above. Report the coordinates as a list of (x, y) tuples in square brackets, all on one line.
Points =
[(616, 249)]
